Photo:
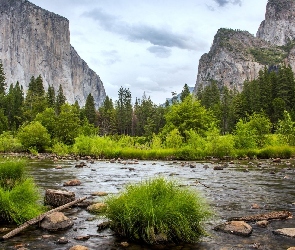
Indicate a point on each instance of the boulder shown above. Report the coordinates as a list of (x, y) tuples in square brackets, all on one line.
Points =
[(235, 227), (275, 215), (288, 232), (58, 198), (291, 248), (72, 183), (262, 223), (78, 247), (96, 208), (56, 221)]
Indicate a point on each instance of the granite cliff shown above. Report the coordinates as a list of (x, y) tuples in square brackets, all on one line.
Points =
[(236, 56), (33, 42)]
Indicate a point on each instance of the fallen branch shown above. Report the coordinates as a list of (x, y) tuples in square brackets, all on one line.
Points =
[(39, 218)]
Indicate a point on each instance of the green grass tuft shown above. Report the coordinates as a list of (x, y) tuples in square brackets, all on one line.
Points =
[(158, 210)]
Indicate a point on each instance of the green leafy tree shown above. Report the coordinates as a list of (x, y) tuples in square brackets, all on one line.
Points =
[(48, 119), (286, 129), (174, 139), (90, 111), (34, 136), (3, 122), (189, 114), (67, 124)]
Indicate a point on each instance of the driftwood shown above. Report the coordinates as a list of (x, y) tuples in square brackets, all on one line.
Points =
[(39, 218)]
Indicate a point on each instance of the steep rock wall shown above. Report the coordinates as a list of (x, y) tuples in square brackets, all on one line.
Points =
[(35, 42)]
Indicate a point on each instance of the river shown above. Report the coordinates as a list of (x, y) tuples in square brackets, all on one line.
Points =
[(231, 193)]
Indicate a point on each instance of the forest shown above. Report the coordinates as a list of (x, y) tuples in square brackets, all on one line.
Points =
[(215, 122)]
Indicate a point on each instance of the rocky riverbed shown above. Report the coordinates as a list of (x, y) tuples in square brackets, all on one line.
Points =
[(234, 189)]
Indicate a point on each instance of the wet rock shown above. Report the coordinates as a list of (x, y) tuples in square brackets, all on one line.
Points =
[(56, 221), (72, 183), (267, 216), (288, 232), (218, 168), (58, 167), (78, 247), (58, 198), (81, 165), (235, 227), (47, 236), (62, 240), (82, 238), (262, 223), (84, 204), (277, 160), (205, 166), (4, 229), (96, 208), (291, 248), (104, 225), (99, 194), (124, 244)]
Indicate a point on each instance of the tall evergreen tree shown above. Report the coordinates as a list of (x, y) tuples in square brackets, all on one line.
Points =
[(185, 92), (107, 118), (60, 100), (2, 85), (124, 111), (50, 96), (90, 111)]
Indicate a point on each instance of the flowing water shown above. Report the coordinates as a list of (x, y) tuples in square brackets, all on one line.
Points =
[(231, 192)]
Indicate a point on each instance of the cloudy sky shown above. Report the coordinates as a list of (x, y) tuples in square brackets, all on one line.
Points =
[(150, 46)]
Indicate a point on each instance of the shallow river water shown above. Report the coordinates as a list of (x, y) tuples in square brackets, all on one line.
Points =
[(231, 193)]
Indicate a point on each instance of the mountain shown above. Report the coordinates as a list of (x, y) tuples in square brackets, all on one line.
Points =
[(33, 42), (236, 56)]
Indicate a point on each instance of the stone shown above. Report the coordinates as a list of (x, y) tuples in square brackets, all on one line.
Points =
[(275, 215), (96, 208), (235, 227), (99, 194), (56, 221), (262, 223), (124, 244), (58, 198), (62, 240), (255, 206), (104, 225), (78, 247), (82, 237), (288, 232), (218, 167), (291, 248), (43, 48), (72, 183)]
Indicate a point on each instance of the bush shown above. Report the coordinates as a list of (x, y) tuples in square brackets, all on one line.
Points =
[(35, 136), (19, 196), (157, 210), (9, 144)]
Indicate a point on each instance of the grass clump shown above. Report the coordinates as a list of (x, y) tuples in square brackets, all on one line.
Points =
[(19, 196), (158, 210)]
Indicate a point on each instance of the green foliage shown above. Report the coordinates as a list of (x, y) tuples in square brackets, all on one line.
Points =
[(158, 208), (2, 80), (19, 197), (9, 144), (268, 56), (67, 124), (60, 148), (34, 135), (60, 100), (286, 129), (173, 139), (90, 111), (185, 92)]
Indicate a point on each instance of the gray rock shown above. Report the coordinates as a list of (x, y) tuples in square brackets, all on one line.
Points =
[(34, 42), (58, 198), (235, 227), (56, 221)]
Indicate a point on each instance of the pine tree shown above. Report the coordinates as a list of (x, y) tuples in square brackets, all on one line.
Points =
[(124, 111), (60, 100), (185, 92), (90, 111), (50, 96), (107, 118), (2, 80)]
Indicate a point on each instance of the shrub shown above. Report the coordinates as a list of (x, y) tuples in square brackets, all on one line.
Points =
[(60, 148), (9, 144), (156, 210), (34, 135)]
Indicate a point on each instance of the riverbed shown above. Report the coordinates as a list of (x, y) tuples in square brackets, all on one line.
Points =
[(231, 192)]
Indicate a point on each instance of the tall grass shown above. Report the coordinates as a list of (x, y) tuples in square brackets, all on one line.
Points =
[(19, 197), (158, 210)]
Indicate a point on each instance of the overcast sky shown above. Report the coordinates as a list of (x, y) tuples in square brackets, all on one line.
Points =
[(150, 46)]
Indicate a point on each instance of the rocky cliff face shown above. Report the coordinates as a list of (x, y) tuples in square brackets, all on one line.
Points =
[(35, 42), (236, 56), (279, 25)]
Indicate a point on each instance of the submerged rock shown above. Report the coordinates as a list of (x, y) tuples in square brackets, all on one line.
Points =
[(73, 183), (235, 227), (79, 247), (96, 208), (267, 216), (56, 221)]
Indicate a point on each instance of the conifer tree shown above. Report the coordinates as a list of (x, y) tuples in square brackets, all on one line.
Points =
[(60, 100), (185, 92), (124, 111), (107, 118), (2, 80), (50, 96), (90, 111)]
